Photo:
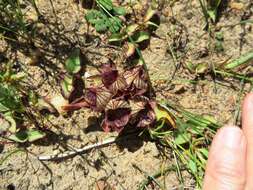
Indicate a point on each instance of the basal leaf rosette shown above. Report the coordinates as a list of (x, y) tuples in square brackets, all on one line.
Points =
[(117, 115)]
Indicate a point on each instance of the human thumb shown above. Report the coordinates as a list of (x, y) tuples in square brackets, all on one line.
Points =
[(227, 161)]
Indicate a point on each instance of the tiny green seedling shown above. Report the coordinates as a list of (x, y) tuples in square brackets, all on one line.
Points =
[(10, 101), (13, 20), (135, 33), (73, 67), (12, 107), (210, 9), (219, 39), (107, 18), (100, 19)]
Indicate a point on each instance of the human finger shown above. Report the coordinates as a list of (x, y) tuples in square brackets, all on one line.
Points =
[(226, 163), (247, 125)]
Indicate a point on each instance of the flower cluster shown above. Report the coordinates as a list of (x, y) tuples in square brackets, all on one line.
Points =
[(123, 98)]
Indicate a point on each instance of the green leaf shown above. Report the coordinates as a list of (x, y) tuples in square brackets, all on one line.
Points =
[(67, 86), (32, 98), (141, 36), (131, 29), (116, 37), (150, 13), (190, 66), (204, 151), (212, 14), (195, 129), (193, 166), (10, 99), (18, 76), (182, 138), (93, 15), (20, 137), (73, 63), (3, 108), (119, 11), (210, 119), (101, 26), (219, 36), (200, 157), (214, 4), (202, 68), (13, 125), (102, 22), (34, 135), (107, 4), (243, 59), (152, 24), (218, 46), (27, 135), (163, 114), (114, 24)]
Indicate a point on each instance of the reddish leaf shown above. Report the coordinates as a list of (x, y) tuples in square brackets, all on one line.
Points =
[(75, 106), (130, 75), (147, 117), (137, 104), (97, 98), (117, 116), (108, 78), (137, 79), (109, 74), (119, 85), (112, 79), (91, 97)]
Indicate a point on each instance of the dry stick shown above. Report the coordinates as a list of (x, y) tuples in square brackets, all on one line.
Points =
[(78, 150)]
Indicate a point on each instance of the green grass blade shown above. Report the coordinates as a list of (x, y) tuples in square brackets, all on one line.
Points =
[(9, 154), (245, 58)]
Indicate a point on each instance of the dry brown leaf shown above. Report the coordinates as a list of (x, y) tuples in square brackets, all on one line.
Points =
[(236, 5), (103, 185)]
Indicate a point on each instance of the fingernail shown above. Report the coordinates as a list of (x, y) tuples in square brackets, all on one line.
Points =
[(231, 137)]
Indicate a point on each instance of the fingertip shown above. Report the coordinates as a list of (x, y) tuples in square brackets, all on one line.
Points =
[(248, 103), (247, 126), (229, 136), (226, 162), (247, 117)]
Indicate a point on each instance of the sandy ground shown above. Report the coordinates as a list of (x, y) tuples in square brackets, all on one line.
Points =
[(182, 27)]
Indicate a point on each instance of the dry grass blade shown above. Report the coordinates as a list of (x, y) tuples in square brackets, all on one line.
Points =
[(76, 151), (9, 154)]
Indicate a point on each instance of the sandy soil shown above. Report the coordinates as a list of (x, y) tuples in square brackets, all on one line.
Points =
[(182, 27)]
